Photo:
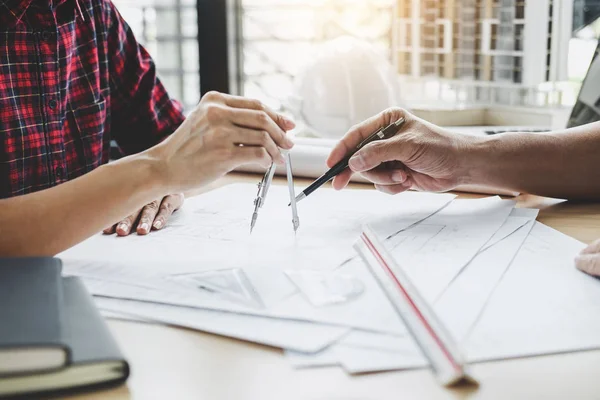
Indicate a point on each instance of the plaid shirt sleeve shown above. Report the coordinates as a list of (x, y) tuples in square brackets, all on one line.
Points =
[(142, 112)]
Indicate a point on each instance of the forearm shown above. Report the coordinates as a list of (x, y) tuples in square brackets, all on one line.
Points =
[(564, 164), (48, 222)]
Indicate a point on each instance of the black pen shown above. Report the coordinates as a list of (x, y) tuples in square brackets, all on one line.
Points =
[(383, 133)]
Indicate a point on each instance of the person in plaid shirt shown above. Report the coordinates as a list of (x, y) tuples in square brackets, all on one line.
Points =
[(73, 78)]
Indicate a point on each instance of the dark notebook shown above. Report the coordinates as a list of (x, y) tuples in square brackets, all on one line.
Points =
[(30, 316), (94, 358)]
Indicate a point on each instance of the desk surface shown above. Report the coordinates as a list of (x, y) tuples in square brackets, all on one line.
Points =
[(174, 363)]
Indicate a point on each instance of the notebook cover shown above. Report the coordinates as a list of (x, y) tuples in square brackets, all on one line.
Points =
[(31, 298), (86, 332), (89, 339)]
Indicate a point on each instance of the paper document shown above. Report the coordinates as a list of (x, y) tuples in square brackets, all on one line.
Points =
[(504, 285), (543, 304), (465, 299), (323, 358), (464, 227), (459, 306), (294, 335), (213, 230), (278, 293)]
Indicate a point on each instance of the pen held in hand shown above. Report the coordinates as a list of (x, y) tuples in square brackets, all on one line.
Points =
[(381, 134)]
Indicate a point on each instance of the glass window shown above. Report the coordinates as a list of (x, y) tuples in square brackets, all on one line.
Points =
[(168, 30), (281, 36)]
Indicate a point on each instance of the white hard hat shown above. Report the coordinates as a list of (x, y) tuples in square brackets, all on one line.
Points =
[(347, 82)]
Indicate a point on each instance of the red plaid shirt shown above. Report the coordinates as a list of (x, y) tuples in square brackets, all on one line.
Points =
[(73, 77)]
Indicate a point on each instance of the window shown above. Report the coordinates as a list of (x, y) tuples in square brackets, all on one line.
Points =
[(280, 36), (168, 30), (261, 45)]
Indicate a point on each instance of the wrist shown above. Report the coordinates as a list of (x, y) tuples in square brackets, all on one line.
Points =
[(475, 156), (145, 175)]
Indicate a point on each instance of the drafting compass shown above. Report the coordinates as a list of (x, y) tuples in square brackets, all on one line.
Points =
[(263, 189)]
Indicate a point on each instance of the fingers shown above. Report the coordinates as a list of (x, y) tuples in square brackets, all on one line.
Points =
[(374, 154), (342, 179), (124, 227), (392, 189), (110, 230), (260, 120), (592, 248), (395, 189), (588, 263), (152, 216), (168, 206), (589, 259), (382, 176), (361, 131), (258, 138), (251, 155), (147, 218), (390, 174), (241, 102)]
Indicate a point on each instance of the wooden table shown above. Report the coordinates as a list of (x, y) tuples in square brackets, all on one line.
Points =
[(174, 363)]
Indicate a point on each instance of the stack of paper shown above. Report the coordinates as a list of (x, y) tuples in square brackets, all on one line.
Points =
[(503, 284)]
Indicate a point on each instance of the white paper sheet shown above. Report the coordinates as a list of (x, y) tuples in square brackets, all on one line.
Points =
[(124, 317), (295, 335), (135, 282), (374, 308), (212, 230), (369, 311), (323, 358), (356, 360), (466, 226), (459, 306), (212, 233), (465, 299), (377, 341), (543, 304)]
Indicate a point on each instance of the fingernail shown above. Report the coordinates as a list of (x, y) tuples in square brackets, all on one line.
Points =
[(398, 176), (288, 142), (157, 224), (123, 227), (289, 123), (356, 162), (144, 227), (280, 160)]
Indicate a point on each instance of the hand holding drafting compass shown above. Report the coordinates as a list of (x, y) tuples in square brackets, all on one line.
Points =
[(263, 189)]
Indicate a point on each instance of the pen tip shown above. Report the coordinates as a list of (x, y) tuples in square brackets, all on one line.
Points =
[(300, 197)]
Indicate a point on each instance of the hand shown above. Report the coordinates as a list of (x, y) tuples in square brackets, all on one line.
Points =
[(422, 156), (222, 133), (589, 259), (152, 216)]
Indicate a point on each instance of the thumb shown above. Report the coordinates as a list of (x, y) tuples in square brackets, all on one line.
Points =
[(589, 264), (374, 154), (592, 248)]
